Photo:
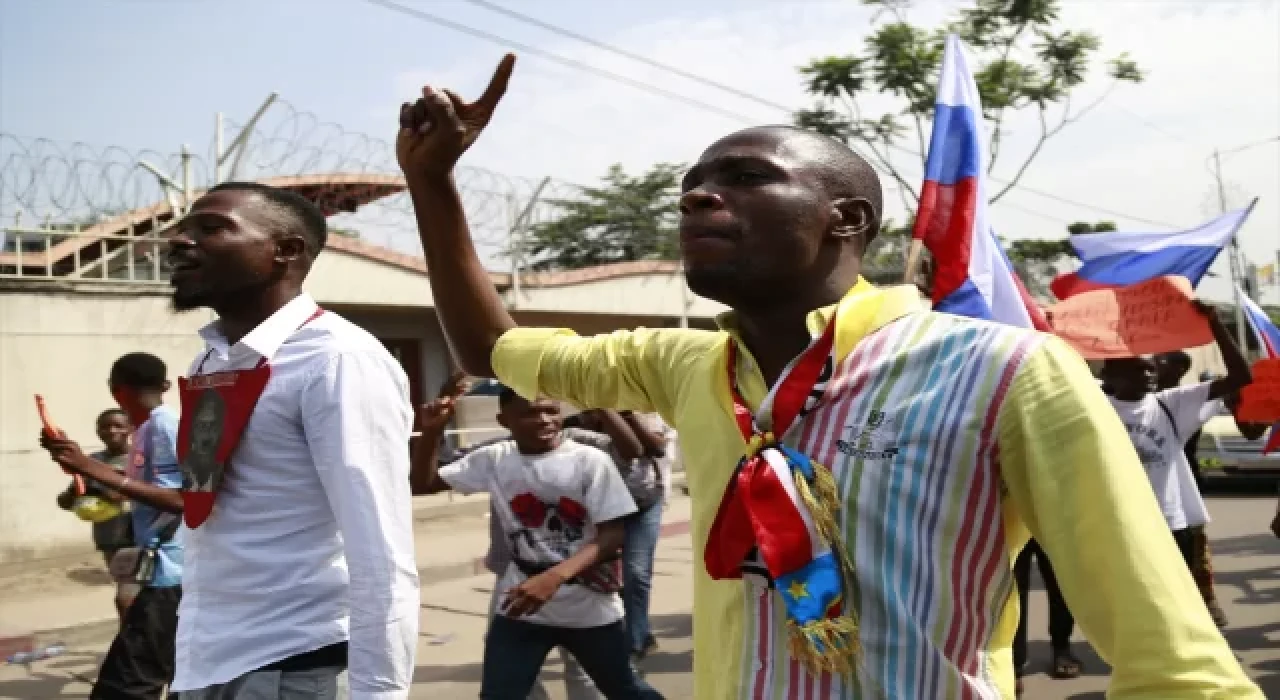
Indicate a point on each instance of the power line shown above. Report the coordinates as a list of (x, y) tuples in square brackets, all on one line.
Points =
[(554, 29), (648, 87), (487, 36)]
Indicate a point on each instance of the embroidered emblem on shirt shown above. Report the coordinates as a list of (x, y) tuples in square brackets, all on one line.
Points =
[(876, 440)]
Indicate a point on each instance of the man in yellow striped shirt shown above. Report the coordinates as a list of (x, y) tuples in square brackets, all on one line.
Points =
[(949, 439)]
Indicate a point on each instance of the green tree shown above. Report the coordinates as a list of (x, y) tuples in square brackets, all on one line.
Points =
[(1024, 62), (624, 218)]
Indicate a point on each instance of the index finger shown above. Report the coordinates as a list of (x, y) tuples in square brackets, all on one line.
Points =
[(498, 83)]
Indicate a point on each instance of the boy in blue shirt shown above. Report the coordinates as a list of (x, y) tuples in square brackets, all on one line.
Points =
[(139, 664)]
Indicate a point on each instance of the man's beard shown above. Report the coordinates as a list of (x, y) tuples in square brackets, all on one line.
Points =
[(220, 300)]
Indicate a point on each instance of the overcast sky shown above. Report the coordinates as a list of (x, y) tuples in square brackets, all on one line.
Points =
[(151, 74)]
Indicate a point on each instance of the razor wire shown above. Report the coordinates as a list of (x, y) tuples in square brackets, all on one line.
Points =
[(43, 182)]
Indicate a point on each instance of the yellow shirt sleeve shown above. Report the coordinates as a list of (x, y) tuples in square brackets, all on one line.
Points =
[(1073, 476), (641, 370)]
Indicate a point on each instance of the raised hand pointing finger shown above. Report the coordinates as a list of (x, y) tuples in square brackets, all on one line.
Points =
[(437, 129)]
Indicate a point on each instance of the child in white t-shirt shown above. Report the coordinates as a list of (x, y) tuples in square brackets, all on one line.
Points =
[(1160, 423), (561, 506)]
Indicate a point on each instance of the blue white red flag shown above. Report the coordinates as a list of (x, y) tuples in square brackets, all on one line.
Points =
[(1122, 258), (1268, 337), (972, 275)]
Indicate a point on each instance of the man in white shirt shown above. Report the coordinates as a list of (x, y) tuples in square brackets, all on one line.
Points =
[(561, 506), (302, 580), (1160, 423)]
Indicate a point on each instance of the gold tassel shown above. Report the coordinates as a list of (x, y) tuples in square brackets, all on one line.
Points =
[(824, 505), (828, 645)]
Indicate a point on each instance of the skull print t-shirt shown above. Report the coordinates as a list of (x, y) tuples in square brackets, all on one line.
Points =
[(549, 505)]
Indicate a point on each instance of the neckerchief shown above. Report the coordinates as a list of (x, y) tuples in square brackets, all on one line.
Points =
[(782, 506), (216, 409)]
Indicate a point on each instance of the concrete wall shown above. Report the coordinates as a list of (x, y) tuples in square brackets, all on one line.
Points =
[(61, 344)]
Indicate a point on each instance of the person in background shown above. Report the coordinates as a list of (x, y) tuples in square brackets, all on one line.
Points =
[(432, 419), (1171, 367), (114, 533), (560, 505), (140, 662), (1065, 664), (1160, 422), (638, 446)]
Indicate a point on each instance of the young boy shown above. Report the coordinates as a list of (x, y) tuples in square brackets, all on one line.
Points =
[(1160, 422), (113, 534), (561, 506), (140, 663)]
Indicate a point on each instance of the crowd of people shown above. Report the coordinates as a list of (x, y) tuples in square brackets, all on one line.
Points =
[(864, 472)]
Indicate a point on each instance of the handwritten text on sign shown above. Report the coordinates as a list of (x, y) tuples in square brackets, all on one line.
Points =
[(1155, 316), (1260, 401)]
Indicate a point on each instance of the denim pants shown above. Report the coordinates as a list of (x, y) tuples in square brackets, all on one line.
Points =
[(642, 532), (515, 650), (577, 686)]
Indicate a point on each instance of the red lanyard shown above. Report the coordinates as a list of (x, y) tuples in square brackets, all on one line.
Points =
[(261, 361), (798, 390)]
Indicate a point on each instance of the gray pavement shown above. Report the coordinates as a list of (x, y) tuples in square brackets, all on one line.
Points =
[(1246, 556)]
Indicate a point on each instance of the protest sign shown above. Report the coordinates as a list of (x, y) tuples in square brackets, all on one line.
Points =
[(1154, 316), (1260, 401)]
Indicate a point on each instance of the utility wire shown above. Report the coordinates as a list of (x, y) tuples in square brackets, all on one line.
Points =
[(653, 89)]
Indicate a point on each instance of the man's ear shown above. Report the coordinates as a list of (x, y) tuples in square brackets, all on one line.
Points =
[(854, 217), (167, 384), (290, 248)]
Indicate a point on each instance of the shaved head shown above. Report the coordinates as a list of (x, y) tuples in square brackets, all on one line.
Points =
[(845, 174)]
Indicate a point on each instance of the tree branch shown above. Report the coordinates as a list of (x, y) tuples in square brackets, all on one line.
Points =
[(882, 159), (924, 147), (1044, 136), (999, 119)]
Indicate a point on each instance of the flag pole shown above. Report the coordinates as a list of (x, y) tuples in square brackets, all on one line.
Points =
[(913, 261), (1233, 251)]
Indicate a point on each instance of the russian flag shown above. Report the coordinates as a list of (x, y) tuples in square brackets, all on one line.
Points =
[(1268, 337), (1266, 333), (972, 275), (1119, 258)]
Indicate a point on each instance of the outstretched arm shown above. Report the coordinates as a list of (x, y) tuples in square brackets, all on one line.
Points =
[(434, 133)]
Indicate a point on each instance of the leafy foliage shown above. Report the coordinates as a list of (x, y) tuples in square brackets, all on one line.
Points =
[(624, 218), (1025, 61)]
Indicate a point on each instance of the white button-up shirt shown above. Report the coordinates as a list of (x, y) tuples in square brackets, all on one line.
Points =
[(310, 541)]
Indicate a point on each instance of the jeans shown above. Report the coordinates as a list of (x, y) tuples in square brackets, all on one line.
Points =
[(642, 532), (139, 664), (515, 651), (577, 685), (1061, 622)]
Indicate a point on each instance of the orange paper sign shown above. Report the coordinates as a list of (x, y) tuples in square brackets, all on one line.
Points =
[(1260, 401), (1155, 316)]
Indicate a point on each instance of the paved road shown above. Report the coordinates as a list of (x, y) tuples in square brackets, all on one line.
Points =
[(1246, 556)]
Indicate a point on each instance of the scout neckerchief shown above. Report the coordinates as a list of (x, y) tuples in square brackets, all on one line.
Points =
[(782, 505), (215, 410)]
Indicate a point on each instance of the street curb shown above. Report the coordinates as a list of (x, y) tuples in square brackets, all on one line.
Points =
[(98, 631)]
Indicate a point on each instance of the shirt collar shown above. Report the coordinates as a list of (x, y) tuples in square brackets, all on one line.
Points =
[(268, 336), (864, 309)]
